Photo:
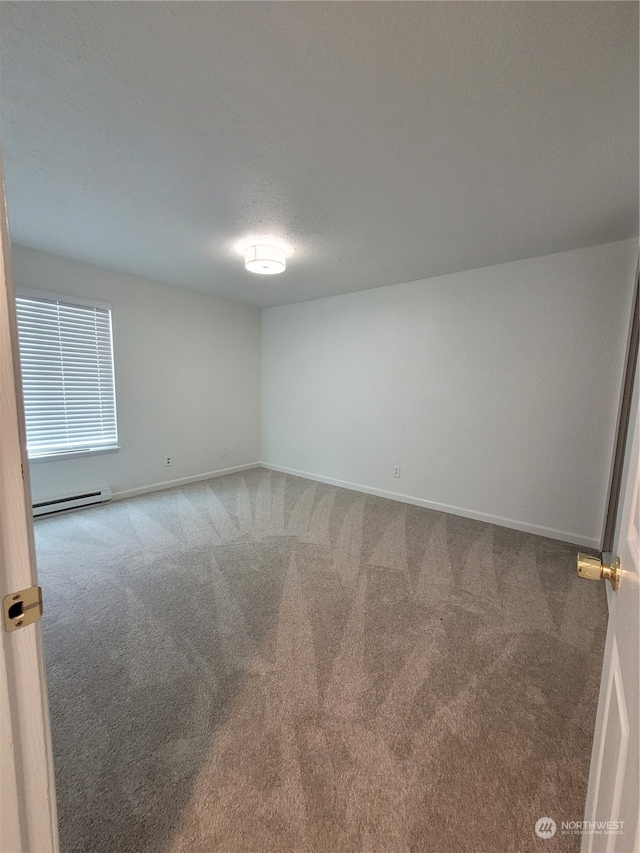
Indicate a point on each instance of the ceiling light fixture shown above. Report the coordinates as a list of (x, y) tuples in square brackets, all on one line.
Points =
[(264, 254), (265, 259)]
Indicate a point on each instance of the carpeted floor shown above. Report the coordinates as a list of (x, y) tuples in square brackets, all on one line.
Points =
[(262, 663)]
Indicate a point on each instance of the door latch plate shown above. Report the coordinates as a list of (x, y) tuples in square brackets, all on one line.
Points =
[(22, 608)]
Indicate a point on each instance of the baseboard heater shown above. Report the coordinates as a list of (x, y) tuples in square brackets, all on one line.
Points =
[(72, 502)]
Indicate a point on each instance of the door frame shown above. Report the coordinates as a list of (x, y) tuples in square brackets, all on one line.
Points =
[(28, 814), (611, 521)]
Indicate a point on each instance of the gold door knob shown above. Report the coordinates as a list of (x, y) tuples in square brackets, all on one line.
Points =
[(594, 570)]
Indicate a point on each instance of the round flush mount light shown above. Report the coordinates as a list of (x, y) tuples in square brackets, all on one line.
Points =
[(264, 254), (265, 259)]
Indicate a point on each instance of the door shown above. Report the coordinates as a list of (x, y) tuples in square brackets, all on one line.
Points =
[(613, 797), (28, 821)]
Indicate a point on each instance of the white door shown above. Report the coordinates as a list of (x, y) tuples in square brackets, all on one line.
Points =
[(612, 821), (28, 821)]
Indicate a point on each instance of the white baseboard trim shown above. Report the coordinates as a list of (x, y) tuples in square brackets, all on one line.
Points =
[(181, 481), (511, 523), (354, 487)]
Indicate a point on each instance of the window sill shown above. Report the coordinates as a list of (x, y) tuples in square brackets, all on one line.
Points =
[(75, 454)]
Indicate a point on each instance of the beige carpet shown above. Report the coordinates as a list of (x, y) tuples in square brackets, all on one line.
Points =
[(262, 663)]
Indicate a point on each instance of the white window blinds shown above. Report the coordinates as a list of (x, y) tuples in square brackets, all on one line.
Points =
[(66, 357)]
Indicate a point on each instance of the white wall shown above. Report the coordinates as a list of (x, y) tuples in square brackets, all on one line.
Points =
[(496, 389), (187, 379)]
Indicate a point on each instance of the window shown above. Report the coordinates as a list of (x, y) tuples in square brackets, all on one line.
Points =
[(66, 356)]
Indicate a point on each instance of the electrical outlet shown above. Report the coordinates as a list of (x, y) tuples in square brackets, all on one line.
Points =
[(396, 471), (223, 451), (168, 460)]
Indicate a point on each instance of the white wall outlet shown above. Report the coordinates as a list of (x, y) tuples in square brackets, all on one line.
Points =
[(223, 452), (396, 471), (168, 460)]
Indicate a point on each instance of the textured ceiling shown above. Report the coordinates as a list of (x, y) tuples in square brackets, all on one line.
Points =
[(387, 142)]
